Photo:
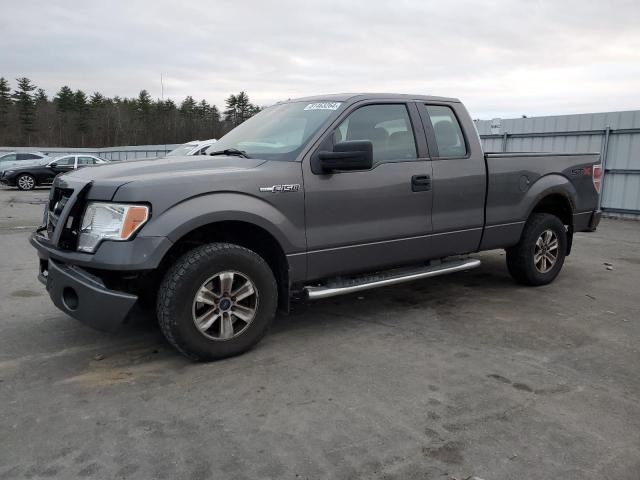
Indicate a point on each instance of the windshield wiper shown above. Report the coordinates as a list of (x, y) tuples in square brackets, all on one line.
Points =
[(230, 151)]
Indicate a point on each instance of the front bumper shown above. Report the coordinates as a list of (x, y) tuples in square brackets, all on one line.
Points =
[(78, 293), (84, 296)]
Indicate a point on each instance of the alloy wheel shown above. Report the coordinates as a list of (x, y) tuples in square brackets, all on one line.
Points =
[(26, 182), (545, 254), (225, 305)]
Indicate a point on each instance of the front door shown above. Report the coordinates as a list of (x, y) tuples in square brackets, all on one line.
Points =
[(362, 220)]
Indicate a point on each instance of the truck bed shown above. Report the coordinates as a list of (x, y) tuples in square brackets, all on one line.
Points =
[(516, 181)]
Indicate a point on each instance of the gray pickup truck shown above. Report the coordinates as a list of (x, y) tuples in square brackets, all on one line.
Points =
[(312, 197)]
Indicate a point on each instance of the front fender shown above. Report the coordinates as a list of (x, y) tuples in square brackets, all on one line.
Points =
[(284, 221)]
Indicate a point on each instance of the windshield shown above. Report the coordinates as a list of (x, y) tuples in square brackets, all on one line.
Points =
[(278, 132), (182, 150)]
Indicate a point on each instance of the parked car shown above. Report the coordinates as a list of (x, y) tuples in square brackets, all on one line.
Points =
[(32, 176), (20, 159), (312, 198), (196, 147)]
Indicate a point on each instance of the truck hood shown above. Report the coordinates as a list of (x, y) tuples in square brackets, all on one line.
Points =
[(106, 179), (173, 167)]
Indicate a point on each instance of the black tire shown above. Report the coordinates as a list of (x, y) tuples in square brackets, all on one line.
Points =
[(179, 287), (26, 181), (521, 259)]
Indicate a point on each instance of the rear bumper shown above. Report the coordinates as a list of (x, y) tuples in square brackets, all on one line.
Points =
[(595, 220), (586, 221)]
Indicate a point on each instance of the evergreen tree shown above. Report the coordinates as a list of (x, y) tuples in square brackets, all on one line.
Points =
[(231, 113), (239, 108), (203, 109), (215, 114), (5, 102), (81, 110), (71, 118), (41, 97), (97, 100), (188, 106), (64, 100), (143, 104), (26, 107)]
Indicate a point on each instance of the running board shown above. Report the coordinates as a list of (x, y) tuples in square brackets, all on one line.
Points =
[(392, 277)]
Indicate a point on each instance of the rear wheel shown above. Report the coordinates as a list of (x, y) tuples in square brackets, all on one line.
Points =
[(538, 258), (217, 301), (26, 182)]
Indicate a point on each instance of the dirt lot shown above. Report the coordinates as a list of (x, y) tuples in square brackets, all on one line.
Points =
[(458, 376)]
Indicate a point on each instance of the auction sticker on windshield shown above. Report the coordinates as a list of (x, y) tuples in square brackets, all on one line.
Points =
[(323, 106)]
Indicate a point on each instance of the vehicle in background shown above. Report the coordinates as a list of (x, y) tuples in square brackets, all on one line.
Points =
[(196, 147), (314, 197), (32, 176), (20, 159)]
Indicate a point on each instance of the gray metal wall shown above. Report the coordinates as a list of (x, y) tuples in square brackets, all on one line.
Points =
[(108, 153), (616, 135)]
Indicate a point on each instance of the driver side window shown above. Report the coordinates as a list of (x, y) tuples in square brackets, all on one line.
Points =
[(386, 126)]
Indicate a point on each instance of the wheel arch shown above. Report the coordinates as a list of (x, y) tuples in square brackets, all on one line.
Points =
[(558, 199), (36, 180), (238, 232)]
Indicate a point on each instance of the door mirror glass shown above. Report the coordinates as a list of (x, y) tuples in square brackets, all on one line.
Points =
[(350, 155)]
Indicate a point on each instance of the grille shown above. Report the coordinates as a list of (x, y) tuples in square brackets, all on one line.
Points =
[(57, 201)]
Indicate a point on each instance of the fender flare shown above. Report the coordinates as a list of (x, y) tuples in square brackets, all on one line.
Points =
[(552, 184), (190, 214)]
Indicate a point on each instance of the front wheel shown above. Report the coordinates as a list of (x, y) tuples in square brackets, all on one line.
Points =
[(26, 182), (538, 258), (217, 301)]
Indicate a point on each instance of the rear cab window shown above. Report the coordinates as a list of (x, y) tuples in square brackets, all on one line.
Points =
[(448, 133)]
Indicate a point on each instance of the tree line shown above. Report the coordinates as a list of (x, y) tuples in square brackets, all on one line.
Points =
[(72, 118)]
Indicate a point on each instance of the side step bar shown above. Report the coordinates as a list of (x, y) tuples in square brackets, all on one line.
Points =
[(392, 277)]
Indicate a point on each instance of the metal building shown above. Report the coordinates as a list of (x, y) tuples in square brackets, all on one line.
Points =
[(616, 135)]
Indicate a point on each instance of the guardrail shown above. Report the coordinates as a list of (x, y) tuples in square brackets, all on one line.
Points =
[(109, 153)]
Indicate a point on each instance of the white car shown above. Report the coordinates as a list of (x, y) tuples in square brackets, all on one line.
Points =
[(22, 159), (196, 147)]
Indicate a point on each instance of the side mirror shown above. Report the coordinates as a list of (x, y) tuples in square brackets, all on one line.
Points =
[(54, 164), (351, 155)]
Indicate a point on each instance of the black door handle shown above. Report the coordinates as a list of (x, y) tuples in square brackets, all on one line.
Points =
[(421, 183)]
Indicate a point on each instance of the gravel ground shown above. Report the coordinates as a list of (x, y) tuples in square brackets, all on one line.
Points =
[(454, 377)]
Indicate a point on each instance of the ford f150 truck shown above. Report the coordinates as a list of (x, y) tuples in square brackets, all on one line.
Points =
[(317, 196)]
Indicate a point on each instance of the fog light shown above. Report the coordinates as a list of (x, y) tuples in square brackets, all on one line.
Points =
[(70, 298)]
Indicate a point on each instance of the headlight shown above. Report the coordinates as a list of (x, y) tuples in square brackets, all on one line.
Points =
[(109, 221)]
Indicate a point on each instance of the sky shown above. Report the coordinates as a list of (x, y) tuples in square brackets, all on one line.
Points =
[(502, 58)]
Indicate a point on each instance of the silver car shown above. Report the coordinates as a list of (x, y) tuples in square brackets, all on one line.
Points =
[(22, 159)]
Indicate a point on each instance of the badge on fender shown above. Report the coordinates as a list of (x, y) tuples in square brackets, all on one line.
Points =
[(281, 188)]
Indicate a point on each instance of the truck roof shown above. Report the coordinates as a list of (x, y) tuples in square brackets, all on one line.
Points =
[(344, 97)]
